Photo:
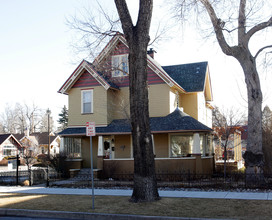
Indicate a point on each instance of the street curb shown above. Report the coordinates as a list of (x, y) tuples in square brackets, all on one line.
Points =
[(82, 215)]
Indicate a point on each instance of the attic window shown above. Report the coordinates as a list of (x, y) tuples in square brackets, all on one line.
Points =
[(120, 65)]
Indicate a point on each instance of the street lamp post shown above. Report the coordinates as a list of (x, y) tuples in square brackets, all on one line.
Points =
[(48, 151)]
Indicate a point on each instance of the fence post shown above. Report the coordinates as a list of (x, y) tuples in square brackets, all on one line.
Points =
[(47, 177), (245, 179), (17, 169), (189, 178), (31, 182)]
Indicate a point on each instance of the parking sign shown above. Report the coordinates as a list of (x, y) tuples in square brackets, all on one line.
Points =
[(90, 129)]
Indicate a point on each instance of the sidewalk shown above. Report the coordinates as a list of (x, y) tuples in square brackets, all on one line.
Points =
[(127, 192)]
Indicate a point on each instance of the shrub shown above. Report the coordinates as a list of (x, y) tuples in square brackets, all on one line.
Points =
[(4, 162)]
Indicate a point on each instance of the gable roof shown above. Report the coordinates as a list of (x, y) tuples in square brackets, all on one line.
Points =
[(85, 65), (42, 137), (152, 64), (177, 121), (4, 137), (18, 136)]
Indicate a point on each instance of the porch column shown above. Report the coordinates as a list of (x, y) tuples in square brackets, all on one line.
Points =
[(100, 153), (153, 144), (197, 153)]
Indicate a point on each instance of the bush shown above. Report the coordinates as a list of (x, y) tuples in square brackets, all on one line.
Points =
[(4, 162)]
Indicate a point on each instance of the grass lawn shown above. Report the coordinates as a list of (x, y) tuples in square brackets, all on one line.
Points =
[(178, 207)]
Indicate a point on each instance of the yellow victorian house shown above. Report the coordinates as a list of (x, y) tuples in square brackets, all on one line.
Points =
[(179, 107)]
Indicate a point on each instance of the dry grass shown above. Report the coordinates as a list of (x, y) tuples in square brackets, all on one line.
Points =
[(179, 207)]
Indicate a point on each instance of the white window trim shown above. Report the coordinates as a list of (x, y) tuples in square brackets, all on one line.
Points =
[(82, 91), (120, 73)]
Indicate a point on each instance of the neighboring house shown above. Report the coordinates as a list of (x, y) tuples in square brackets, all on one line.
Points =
[(243, 130), (38, 143), (179, 108), (9, 146), (233, 147)]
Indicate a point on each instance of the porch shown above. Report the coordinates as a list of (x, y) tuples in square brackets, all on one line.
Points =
[(124, 168)]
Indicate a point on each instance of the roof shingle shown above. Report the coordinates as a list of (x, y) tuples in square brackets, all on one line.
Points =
[(177, 121), (190, 76)]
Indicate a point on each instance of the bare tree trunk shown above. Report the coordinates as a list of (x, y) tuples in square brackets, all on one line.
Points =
[(253, 156), (145, 184)]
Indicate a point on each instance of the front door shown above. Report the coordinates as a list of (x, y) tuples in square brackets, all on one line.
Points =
[(109, 147)]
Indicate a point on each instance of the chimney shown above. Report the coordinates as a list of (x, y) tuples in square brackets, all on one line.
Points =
[(27, 132), (151, 52)]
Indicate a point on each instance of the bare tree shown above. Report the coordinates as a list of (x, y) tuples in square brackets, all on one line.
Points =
[(18, 118), (30, 152), (96, 30), (97, 26), (33, 115), (21, 120), (228, 27), (8, 118), (225, 124), (137, 37), (1, 128), (43, 125)]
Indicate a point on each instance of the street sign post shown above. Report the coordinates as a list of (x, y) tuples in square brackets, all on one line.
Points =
[(90, 131)]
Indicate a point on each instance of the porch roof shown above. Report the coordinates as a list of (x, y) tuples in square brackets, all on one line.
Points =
[(177, 121)]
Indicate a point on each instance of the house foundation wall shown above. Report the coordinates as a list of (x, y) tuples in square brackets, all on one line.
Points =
[(208, 165), (162, 165)]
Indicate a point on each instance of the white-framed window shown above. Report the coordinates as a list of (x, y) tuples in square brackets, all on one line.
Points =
[(9, 150), (120, 65), (87, 101), (72, 147)]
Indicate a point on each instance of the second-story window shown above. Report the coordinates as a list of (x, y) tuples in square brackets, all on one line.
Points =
[(86, 101), (120, 65)]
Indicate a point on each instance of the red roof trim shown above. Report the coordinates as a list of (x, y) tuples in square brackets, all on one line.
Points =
[(70, 76), (89, 69)]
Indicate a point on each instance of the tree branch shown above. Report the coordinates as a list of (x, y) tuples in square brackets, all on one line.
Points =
[(125, 18), (260, 50), (216, 22), (258, 27), (144, 16), (241, 23)]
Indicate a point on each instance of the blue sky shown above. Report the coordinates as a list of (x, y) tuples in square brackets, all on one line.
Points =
[(36, 57)]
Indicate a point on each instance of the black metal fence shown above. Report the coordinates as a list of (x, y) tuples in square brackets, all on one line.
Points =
[(50, 177), (178, 180), (213, 181), (28, 177)]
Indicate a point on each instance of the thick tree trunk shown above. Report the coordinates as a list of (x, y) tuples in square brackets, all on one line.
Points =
[(145, 184), (253, 156)]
